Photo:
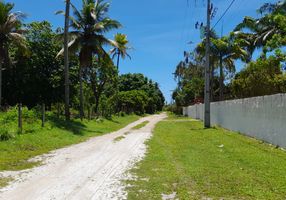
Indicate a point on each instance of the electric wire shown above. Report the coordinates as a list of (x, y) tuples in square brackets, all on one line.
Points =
[(222, 16)]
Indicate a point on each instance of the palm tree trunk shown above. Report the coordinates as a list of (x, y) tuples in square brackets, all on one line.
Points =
[(117, 89), (81, 112), (118, 60), (221, 80), (66, 57)]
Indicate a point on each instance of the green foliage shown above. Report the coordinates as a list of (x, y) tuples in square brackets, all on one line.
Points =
[(31, 120), (6, 135), (262, 77), (121, 47), (155, 99), (102, 78), (139, 126), (190, 87), (119, 138), (38, 76), (4, 181), (267, 31), (134, 101), (15, 153)]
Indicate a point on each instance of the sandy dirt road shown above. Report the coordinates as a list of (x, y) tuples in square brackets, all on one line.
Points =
[(90, 170)]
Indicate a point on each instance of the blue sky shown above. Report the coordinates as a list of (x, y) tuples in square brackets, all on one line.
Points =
[(158, 30)]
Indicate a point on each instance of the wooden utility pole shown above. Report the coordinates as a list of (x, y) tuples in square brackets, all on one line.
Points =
[(66, 57), (207, 121), (221, 73)]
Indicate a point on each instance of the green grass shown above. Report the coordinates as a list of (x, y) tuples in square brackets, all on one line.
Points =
[(139, 126), (199, 163), (117, 139), (4, 181), (15, 152)]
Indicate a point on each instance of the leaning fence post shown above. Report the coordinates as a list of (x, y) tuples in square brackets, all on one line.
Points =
[(58, 110), (43, 115), (20, 125)]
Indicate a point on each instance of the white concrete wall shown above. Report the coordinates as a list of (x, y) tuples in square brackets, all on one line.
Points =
[(261, 117)]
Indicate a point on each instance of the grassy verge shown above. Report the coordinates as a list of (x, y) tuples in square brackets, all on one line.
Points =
[(139, 126), (197, 163), (15, 152)]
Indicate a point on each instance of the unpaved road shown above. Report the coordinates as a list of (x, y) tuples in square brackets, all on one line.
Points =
[(90, 170)]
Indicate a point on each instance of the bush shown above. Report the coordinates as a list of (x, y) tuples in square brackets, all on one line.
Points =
[(259, 78), (6, 135), (134, 101), (9, 116), (9, 122)]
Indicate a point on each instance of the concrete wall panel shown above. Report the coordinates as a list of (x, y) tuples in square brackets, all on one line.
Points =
[(261, 117)]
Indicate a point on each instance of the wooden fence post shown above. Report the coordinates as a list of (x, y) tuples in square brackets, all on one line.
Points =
[(20, 124), (58, 110), (43, 115)]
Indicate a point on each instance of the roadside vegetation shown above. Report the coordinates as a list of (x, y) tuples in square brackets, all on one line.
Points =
[(32, 64), (195, 163), (57, 133), (117, 139), (32, 74), (259, 45)]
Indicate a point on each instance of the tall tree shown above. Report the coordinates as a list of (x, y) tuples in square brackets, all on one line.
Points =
[(100, 74), (138, 82), (256, 33), (224, 52), (66, 57), (36, 76), (89, 24), (10, 32), (120, 47), (228, 51)]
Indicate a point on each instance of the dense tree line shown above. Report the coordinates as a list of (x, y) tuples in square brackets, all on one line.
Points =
[(32, 64), (146, 92), (263, 76)]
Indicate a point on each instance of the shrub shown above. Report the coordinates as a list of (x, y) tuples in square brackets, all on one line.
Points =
[(134, 101), (6, 135)]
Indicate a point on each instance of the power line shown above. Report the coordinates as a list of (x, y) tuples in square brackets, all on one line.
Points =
[(224, 13)]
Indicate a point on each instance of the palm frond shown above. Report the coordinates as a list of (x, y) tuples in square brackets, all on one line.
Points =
[(73, 47)]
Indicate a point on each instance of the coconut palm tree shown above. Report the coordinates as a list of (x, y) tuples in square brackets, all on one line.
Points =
[(261, 30), (87, 38), (245, 41), (10, 32), (228, 51), (224, 52), (120, 47)]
